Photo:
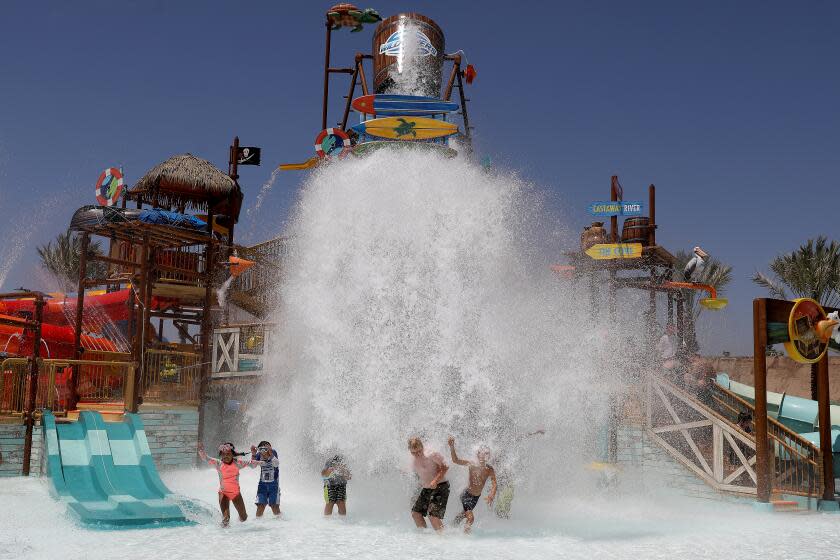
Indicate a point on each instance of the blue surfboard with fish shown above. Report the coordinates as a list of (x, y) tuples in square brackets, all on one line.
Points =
[(384, 105)]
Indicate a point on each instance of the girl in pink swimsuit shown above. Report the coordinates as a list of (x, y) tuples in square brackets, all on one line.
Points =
[(228, 470)]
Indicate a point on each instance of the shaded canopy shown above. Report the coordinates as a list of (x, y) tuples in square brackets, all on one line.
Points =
[(186, 181)]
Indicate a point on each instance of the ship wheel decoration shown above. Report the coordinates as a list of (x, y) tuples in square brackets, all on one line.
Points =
[(809, 330)]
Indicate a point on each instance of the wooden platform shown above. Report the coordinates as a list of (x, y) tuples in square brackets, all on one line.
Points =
[(653, 256)]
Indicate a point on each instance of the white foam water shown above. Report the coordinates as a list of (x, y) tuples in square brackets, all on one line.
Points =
[(417, 299)]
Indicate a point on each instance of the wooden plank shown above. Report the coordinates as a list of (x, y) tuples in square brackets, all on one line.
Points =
[(683, 426), (685, 433)]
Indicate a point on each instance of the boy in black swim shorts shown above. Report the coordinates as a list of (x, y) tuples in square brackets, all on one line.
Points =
[(431, 470), (336, 474), (480, 471)]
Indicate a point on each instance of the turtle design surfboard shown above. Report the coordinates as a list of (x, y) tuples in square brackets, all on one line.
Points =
[(406, 128), (397, 105)]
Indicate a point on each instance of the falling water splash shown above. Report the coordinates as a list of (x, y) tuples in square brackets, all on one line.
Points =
[(222, 292), (416, 300)]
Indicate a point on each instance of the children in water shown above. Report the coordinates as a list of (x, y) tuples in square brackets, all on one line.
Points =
[(228, 468), (268, 489), (479, 472), (434, 493), (335, 474)]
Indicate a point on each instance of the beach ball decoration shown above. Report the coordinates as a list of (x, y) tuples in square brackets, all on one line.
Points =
[(332, 142), (109, 187)]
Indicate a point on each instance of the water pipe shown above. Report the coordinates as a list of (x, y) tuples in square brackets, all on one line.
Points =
[(711, 302)]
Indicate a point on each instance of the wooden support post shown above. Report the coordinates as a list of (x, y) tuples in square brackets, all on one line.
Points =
[(140, 326), (207, 323), (73, 385), (681, 357), (456, 63), (147, 322), (762, 459), (652, 213), (130, 398), (326, 76), (614, 219), (350, 93), (29, 408), (233, 163), (467, 130), (362, 77), (824, 412)]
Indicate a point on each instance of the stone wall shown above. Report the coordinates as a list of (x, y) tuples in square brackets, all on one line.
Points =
[(172, 435), (11, 449)]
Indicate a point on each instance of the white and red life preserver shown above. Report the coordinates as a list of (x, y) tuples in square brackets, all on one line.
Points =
[(109, 187), (332, 142)]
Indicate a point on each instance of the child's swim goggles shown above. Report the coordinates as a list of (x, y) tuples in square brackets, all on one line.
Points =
[(262, 448)]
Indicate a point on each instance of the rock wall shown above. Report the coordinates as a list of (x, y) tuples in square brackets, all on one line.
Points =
[(11, 449), (172, 435)]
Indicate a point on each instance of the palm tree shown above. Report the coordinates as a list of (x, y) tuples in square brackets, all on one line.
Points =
[(62, 258), (715, 274), (812, 271)]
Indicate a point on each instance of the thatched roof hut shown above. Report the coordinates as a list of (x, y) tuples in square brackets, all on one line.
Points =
[(188, 182)]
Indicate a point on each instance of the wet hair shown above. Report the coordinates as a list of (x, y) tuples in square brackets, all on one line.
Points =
[(744, 417), (414, 442), (263, 443), (232, 449)]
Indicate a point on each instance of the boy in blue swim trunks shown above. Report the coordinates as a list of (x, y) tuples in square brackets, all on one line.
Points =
[(268, 490), (480, 471)]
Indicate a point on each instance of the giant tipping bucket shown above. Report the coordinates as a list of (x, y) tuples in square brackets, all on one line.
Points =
[(408, 52)]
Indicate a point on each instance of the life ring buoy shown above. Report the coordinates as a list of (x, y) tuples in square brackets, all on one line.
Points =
[(332, 142), (109, 187)]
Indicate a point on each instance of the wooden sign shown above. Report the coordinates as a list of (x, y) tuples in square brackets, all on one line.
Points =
[(604, 251), (606, 209)]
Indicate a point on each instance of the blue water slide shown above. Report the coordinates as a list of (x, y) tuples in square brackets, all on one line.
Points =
[(104, 471)]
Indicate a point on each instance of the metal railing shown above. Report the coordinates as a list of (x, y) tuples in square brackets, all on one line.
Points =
[(797, 463), (170, 376)]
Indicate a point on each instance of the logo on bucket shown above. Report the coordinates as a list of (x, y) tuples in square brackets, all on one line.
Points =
[(395, 43)]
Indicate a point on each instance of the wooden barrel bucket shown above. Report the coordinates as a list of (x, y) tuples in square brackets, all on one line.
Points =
[(408, 51), (636, 230)]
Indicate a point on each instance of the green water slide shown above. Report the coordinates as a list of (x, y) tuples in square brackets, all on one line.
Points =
[(104, 471)]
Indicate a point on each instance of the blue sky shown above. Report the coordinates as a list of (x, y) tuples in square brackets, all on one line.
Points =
[(730, 108)]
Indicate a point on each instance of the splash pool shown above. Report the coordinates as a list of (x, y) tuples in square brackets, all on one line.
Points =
[(379, 526)]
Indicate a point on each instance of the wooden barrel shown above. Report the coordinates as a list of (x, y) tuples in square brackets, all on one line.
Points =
[(635, 230), (408, 55)]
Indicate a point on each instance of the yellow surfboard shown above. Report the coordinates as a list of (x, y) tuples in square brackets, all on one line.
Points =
[(406, 128)]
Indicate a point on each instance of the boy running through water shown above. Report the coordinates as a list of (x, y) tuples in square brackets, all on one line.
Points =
[(228, 470), (431, 469), (336, 474), (268, 489), (479, 472)]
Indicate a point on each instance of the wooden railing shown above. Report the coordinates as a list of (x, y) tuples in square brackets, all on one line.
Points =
[(705, 438), (170, 376), (716, 451), (100, 381), (797, 463)]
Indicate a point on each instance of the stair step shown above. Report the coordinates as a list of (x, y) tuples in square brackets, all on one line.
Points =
[(785, 505)]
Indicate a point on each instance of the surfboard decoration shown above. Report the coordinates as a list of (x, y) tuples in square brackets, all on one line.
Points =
[(398, 105), (332, 142), (366, 148), (109, 187), (406, 128)]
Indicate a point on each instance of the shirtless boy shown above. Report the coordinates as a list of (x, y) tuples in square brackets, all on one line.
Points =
[(480, 471)]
